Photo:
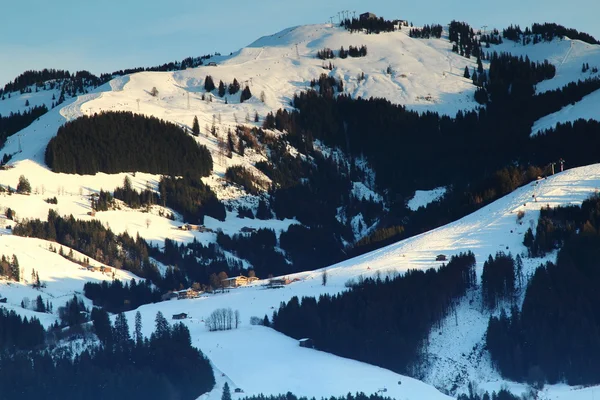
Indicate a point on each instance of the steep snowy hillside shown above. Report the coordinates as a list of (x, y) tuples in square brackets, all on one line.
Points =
[(585, 109), (425, 75), (422, 74), (60, 277), (569, 57), (455, 350)]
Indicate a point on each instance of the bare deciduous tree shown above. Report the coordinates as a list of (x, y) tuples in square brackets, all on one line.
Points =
[(223, 319)]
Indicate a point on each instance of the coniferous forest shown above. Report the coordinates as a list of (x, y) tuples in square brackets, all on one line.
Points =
[(164, 366), (115, 142), (14, 122), (380, 321), (554, 336)]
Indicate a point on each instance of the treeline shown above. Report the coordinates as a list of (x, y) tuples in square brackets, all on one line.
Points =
[(368, 25), (557, 225), (259, 248), (326, 86), (545, 32), (115, 142), (194, 263), (51, 78), (427, 31), (188, 195), (132, 197), (553, 338), (327, 53), (117, 297), (381, 322), (39, 79), (571, 141), (502, 394), (464, 40), (291, 396), (18, 333), (165, 365), (14, 122), (242, 176), (95, 241), (191, 197)]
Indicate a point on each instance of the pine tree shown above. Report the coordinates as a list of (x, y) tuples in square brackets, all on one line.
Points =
[(39, 304), (139, 338), (234, 87), (102, 327), (162, 328), (121, 330), (221, 91), (196, 127), (263, 211), (246, 94), (226, 392), (209, 85), (23, 187), (15, 271), (467, 74)]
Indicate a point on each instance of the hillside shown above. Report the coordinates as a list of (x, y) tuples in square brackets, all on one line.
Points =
[(423, 75)]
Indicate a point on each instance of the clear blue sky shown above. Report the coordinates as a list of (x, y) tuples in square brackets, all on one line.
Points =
[(105, 35)]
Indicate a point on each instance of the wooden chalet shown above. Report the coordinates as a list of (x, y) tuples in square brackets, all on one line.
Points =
[(235, 281), (367, 15), (441, 257), (180, 316), (187, 294), (278, 282)]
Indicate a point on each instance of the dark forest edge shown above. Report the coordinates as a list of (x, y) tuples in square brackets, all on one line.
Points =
[(503, 394), (165, 365), (552, 337), (113, 142), (407, 308)]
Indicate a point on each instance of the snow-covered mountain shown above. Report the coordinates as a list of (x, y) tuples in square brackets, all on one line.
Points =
[(422, 74)]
